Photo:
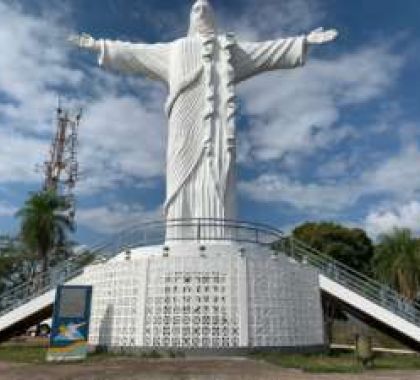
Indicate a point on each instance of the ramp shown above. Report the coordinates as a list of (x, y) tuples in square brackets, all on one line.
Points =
[(375, 303), (32, 302)]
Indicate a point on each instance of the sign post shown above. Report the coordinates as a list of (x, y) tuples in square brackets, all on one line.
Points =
[(70, 325)]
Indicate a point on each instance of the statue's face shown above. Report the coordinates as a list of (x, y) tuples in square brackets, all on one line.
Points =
[(202, 18)]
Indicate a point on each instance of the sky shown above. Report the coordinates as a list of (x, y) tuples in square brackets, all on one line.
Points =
[(336, 140)]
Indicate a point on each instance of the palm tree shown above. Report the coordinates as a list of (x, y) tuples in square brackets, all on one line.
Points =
[(397, 262), (44, 224)]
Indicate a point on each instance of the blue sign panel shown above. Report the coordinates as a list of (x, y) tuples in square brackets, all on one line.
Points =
[(70, 327)]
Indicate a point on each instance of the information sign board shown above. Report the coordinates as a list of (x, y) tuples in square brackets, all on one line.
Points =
[(70, 326)]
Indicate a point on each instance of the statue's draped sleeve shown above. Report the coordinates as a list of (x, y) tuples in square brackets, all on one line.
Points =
[(251, 58), (151, 60)]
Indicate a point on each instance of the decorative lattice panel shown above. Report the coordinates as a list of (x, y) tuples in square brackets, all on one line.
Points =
[(284, 304), (192, 302), (221, 298), (117, 305)]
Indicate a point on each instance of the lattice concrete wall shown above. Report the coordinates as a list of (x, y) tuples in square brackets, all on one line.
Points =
[(192, 302), (118, 303), (284, 304), (222, 298)]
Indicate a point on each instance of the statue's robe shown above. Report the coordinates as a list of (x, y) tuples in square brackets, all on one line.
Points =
[(201, 73)]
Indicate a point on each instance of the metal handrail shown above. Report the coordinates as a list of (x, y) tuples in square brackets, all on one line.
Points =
[(200, 229), (145, 234), (361, 284), (352, 271), (41, 283)]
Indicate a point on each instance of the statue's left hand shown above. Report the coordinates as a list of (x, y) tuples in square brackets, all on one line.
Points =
[(321, 36)]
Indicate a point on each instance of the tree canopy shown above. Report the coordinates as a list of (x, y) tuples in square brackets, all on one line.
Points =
[(351, 246), (397, 261), (16, 264), (45, 224)]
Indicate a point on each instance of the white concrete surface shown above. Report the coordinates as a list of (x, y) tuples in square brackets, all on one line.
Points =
[(225, 295), (370, 308)]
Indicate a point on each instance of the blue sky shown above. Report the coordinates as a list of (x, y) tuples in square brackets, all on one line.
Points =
[(335, 140)]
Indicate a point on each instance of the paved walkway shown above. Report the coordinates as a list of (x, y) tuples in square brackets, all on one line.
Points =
[(195, 369)]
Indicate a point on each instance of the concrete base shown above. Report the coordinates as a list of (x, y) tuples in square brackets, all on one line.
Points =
[(219, 296), (209, 352)]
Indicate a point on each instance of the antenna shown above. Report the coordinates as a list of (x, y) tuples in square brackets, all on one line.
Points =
[(61, 169)]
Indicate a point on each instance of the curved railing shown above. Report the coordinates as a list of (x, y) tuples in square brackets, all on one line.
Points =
[(145, 234), (195, 229), (211, 230)]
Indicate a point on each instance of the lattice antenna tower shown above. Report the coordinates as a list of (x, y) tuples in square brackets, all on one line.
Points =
[(61, 170)]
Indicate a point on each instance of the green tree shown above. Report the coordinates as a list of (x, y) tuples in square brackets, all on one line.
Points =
[(45, 224), (5, 269), (350, 246), (16, 265), (397, 262)]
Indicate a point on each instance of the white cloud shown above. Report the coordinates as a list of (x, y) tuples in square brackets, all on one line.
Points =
[(336, 167), (18, 156), (33, 64), (299, 111), (311, 198), (116, 217), (7, 209), (399, 175), (403, 216), (258, 20), (120, 139), (395, 178), (122, 133)]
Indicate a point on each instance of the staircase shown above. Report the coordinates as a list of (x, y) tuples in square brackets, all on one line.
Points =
[(31, 302), (367, 299)]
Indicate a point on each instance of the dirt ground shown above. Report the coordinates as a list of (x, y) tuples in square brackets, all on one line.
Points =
[(179, 369)]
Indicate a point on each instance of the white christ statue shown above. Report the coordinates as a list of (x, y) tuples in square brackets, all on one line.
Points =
[(200, 72)]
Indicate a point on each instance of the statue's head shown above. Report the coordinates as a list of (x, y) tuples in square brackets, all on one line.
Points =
[(202, 19)]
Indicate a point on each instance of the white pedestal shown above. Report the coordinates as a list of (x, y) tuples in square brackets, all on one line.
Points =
[(204, 296)]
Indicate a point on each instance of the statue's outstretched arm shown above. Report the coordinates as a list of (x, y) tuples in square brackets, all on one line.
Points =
[(85, 41), (251, 58), (321, 36), (151, 60)]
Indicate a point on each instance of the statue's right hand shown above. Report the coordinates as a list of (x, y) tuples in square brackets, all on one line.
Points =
[(84, 41)]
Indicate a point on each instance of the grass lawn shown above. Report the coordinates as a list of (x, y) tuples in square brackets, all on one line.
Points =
[(32, 354), (338, 362), (22, 354)]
